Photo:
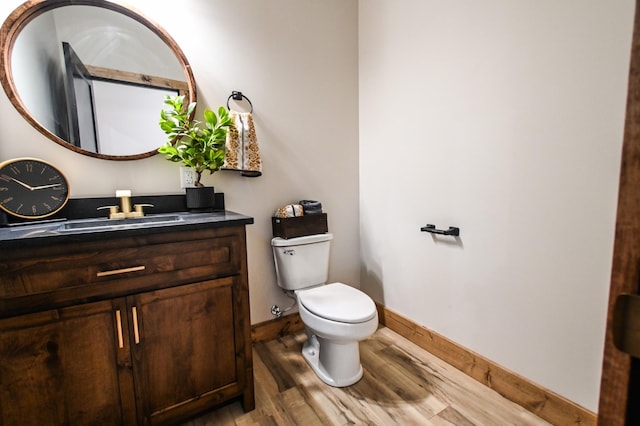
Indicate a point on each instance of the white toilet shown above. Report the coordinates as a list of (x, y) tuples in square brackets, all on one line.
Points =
[(336, 316)]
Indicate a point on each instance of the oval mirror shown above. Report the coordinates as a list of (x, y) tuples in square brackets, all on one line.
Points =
[(92, 75)]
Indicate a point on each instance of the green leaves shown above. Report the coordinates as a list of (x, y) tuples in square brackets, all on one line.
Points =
[(196, 146), (210, 118)]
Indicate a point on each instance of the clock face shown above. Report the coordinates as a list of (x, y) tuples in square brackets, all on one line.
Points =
[(31, 188)]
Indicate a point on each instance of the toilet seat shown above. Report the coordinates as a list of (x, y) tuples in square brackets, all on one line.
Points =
[(338, 302)]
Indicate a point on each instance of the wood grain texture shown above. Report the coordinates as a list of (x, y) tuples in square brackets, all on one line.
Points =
[(50, 363), (137, 78), (402, 384), (543, 402), (625, 274), (58, 275), (275, 328), (185, 352), (158, 346)]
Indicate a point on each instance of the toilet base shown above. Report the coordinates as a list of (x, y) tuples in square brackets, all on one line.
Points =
[(336, 363)]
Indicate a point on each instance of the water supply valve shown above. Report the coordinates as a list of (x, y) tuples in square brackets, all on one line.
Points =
[(275, 310)]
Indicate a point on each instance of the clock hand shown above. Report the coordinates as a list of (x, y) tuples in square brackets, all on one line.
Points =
[(18, 182), (53, 185)]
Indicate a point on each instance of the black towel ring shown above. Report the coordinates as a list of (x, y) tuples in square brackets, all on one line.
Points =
[(238, 96)]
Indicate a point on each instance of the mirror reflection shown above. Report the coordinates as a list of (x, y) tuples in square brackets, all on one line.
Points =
[(92, 76)]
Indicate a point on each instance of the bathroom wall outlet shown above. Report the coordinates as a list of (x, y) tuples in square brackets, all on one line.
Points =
[(187, 177)]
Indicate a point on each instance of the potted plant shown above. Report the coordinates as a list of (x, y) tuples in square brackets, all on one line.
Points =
[(198, 145)]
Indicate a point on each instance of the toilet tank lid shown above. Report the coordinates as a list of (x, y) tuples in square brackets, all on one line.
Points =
[(297, 241)]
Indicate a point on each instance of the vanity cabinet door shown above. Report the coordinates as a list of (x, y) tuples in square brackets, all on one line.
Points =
[(183, 349), (65, 366)]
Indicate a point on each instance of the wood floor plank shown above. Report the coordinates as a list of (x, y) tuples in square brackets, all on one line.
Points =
[(298, 408), (402, 385), (380, 412), (279, 371), (286, 352), (478, 403), (399, 391), (269, 408), (330, 404), (452, 416)]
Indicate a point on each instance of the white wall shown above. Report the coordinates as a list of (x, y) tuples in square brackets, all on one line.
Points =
[(505, 119), (297, 62)]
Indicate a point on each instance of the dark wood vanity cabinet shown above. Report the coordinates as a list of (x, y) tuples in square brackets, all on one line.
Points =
[(60, 367), (187, 328), (147, 329)]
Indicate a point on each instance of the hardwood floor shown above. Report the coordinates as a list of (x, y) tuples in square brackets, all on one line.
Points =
[(402, 385)]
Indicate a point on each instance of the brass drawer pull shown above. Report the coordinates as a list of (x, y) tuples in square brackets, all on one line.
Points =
[(136, 333), (120, 271), (119, 324)]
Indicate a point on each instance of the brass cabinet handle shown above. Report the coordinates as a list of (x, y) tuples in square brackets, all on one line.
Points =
[(136, 333), (120, 271), (119, 325)]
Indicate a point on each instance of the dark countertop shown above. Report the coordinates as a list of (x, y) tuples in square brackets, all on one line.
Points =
[(92, 229)]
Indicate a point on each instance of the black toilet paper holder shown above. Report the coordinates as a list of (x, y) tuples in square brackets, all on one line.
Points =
[(453, 231)]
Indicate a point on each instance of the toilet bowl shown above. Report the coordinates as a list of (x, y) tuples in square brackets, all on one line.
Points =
[(336, 316)]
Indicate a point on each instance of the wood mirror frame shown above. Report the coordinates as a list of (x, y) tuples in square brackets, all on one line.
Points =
[(31, 9)]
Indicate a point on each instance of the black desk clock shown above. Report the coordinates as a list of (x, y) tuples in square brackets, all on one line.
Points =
[(32, 188)]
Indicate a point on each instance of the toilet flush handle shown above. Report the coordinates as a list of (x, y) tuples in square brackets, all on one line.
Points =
[(290, 252)]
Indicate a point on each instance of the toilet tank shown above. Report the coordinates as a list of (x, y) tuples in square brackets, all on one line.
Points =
[(301, 262)]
